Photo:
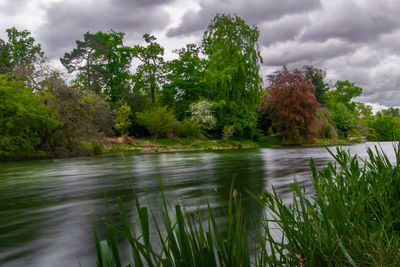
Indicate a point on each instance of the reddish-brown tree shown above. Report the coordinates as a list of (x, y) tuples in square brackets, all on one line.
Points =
[(291, 105)]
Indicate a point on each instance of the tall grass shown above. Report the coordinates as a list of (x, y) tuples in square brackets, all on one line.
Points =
[(183, 240), (353, 219)]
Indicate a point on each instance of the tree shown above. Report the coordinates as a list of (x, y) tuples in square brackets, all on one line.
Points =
[(123, 121), (84, 116), (24, 119), (158, 120), (101, 63), (150, 72), (185, 76), (20, 50), (344, 92), (387, 128), (291, 105), (317, 76), (232, 71)]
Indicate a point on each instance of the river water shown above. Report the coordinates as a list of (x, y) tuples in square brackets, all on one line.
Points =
[(47, 207)]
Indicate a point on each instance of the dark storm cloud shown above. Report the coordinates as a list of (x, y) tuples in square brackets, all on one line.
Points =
[(253, 11), (67, 22)]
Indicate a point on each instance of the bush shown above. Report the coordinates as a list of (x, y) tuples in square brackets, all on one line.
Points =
[(159, 121), (188, 128)]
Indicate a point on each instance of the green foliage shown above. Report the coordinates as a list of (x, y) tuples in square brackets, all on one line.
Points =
[(343, 119), (317, 76), (19, 50), (123, 121), (186, 242), (84, 115), (352, 220), (188, 128), (185, 76), (387, 128), (344, 92), (159, 121), (150, 73), (24, 120), (327, 130), (228, 132), (394, 112), (101, 63), (232, 71)]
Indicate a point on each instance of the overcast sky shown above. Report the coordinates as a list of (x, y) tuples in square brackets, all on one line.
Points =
[(356, 40)]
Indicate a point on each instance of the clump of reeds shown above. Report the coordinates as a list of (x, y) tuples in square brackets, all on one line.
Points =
[(352, 220), (182, 238)]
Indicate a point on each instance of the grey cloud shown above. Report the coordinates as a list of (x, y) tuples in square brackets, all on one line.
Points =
[(354, 22), (253, 11), (293, 51), (283, 29), (67, 22)]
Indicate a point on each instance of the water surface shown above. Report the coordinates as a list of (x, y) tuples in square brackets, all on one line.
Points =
[(47, 206)]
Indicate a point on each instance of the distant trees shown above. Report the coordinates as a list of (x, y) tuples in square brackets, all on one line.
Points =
[(100, 63), (317, 76), (25, 121), (150, 73), (21, 49), (292, 106), (185, 80)]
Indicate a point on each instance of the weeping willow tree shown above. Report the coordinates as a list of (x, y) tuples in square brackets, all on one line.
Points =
[(232, 73)]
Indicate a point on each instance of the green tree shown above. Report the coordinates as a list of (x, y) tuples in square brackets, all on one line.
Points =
[(101, 63), (123, 119), (344, 92), (84, 115), (317, 76), (20, 50), (150, 73), (24, 120), (232, 72), (343, 118), (387, 128), (185, 80), (158, 120)]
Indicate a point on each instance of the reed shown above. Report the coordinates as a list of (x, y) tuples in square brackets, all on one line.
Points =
[(353, 219)]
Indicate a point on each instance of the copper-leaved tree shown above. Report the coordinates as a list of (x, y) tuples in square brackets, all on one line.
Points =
[(292, 107)]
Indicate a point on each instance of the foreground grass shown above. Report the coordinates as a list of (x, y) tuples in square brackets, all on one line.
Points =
[(352, 220)]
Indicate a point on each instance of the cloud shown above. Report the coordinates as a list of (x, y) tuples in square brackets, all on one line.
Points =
[(353, 21), (292, 52), (68, 21), (253, 11)]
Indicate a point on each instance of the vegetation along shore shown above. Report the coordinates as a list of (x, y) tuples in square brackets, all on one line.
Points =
[(210, 91)]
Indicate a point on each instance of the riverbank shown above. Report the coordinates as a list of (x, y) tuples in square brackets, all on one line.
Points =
[(127, 144)]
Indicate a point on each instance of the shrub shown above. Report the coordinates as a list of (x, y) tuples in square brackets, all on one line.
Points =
[(188, 128), (159, 121)]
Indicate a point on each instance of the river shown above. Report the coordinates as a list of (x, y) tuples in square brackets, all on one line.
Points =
[(47, 206)]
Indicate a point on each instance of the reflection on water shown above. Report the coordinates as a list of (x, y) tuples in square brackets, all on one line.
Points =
[(47, 207)]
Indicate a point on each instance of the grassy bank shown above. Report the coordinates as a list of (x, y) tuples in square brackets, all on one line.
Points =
[(353, 219), (127, 144)]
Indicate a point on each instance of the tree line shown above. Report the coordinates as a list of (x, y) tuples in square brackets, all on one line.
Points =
[(212, 90)]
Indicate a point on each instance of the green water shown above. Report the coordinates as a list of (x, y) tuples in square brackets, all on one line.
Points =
[(47, 206)]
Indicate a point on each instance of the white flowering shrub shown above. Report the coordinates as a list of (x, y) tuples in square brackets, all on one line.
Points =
[(201, 113)]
